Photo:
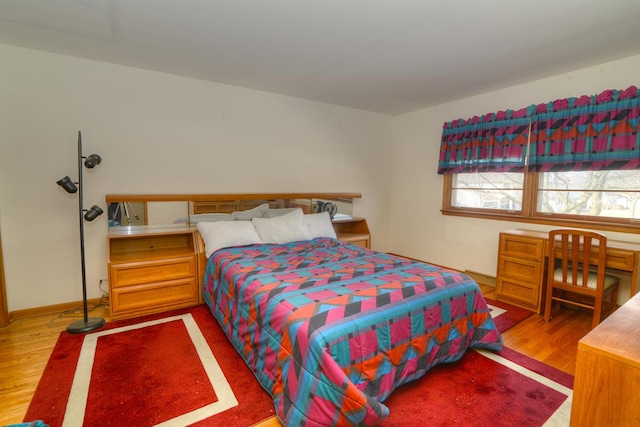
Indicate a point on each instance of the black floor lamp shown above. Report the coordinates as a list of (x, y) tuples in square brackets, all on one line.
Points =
[(87, 324)]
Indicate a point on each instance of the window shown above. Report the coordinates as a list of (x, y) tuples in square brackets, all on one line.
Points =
[(599, 194), (491, 190), (608, 200), (573, 162)]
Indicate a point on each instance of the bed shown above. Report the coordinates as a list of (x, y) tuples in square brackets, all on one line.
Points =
[(330, 329)]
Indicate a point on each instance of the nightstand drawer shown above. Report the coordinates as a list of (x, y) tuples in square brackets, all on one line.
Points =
[(152, 271), (362, 240), (362, 243), (155, 295)]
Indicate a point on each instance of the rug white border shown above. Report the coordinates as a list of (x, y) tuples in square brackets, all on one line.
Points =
[(76, 406), (560, 418), (495, 311)]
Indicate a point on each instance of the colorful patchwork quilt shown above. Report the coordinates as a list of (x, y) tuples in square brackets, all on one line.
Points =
[(331, 329)]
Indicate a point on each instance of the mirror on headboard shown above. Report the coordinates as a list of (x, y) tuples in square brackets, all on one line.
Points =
[(147, 213), (179, 210)]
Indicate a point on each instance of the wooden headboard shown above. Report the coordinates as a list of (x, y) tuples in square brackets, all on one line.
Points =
[(227, 203), (236, 197)]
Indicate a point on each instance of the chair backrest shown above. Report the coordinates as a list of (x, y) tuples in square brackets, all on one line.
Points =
[(577, 252)]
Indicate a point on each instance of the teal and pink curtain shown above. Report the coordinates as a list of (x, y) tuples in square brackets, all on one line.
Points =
[(494, 142), (598, 132)]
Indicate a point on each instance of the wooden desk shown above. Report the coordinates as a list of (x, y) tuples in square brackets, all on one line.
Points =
[(521, 275), (607, 380)]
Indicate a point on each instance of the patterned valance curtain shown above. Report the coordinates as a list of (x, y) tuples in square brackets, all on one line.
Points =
[(598, 132), (495, 142)]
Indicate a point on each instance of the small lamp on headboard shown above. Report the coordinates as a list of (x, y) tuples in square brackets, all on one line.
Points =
[(86, 324)]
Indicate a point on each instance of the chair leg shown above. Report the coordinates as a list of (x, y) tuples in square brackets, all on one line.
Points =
[(614, 298), (597, 312), (613, 301), (547, 305)]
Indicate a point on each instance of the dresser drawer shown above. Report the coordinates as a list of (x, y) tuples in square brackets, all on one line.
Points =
[(134, 273), (620, 259), (525, 294), (616, 258), (519, 269), (522, 247), (153, 295)]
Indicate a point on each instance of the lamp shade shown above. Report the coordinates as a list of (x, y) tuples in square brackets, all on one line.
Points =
[(93, 213), (92, 161), (68, 185)]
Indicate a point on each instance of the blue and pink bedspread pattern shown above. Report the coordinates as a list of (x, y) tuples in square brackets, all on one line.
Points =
[(330, 329)]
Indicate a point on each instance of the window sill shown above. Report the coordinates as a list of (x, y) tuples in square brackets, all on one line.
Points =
[(554, 221)]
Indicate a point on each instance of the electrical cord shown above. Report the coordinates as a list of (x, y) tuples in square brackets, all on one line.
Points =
[(79, 311)]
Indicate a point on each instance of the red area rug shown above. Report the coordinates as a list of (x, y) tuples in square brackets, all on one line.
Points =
[(484, 389), (149, 375), (149, 371), (506, 316)]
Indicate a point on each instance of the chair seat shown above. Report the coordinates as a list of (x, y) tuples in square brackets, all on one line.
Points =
[(591, 281)]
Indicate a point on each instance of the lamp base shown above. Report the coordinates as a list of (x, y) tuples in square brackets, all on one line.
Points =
[(80, 326)]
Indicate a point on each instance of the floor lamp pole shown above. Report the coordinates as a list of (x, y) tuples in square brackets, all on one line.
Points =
[(87, 324)]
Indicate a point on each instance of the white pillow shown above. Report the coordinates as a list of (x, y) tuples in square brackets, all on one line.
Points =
[(282, 229), (270, 213), (256, 212), (224, 234), (210, 217), (320, 225)]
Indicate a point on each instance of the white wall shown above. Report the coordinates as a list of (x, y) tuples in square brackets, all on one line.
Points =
[(160, 133), (157, 133), (418, 229)]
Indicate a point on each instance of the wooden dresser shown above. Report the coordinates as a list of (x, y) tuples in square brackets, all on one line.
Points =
[(521, 268), (607, 380)]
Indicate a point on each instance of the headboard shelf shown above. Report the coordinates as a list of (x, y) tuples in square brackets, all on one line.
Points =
[(130, 198), (163, 209)]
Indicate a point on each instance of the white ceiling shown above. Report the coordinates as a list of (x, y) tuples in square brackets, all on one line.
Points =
[(387, 56)]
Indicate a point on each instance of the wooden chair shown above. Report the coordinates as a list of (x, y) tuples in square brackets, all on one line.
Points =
[(576, 272)]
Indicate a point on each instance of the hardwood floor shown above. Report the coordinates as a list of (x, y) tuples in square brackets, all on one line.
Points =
[(26, 344), (25, 347), (554, 343)]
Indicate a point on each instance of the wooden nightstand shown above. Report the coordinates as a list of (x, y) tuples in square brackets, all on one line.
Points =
[(353, 230), (151, 270)]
